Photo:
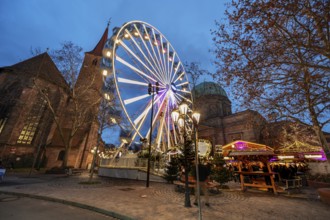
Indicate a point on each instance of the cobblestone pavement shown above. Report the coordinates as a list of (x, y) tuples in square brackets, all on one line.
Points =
[(130, 199)]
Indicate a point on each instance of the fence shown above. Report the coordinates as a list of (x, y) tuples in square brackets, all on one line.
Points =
[(134, 163)]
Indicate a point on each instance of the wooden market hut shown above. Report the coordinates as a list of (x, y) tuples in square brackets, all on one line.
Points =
[(246, 153), (302, 151)]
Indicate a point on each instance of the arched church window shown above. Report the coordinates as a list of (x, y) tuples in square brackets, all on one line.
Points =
[(4, 110), (94, 62), (61, 155), (8, 96), (32, 121)]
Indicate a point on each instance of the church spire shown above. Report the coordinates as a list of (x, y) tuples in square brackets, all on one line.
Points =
[(97, 51)]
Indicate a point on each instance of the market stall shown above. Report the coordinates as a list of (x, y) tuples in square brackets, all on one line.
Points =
[(302, 152), (252, 164)]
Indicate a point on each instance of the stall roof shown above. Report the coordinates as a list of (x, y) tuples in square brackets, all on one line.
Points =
[(240, 147), (247, 153), (300, 147)]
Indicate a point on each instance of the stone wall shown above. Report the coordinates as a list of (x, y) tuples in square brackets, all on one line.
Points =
[(319, 167)]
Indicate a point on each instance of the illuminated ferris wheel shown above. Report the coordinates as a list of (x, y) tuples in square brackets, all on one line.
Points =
[(150, 81)]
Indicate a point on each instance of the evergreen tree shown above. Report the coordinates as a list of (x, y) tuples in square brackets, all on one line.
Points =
[(219, 172), (172, 170), (187, 156)]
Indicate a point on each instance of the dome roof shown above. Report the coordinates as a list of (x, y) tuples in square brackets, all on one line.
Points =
[(208, 88)]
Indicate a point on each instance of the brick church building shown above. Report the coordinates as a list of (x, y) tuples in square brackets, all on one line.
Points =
[(32, 92), (218, 124)]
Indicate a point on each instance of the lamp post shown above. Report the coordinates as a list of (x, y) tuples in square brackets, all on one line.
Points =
[(151, 91), (95, 152), (195, 118), (179, 117)]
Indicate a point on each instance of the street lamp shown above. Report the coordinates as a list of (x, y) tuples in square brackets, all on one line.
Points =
[(152, 89), (195, 118), (179, 118)]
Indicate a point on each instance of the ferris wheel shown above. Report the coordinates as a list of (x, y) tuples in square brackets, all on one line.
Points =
[(150, 81)]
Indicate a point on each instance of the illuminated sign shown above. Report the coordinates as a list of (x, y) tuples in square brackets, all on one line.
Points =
[(313, 156), (285, 157)]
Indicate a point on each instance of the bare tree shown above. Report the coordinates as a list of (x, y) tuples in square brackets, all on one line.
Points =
[(106, 117), (35, 51), (68, 60), (80, 101), (194, 72), (276, 54), (295, 133)]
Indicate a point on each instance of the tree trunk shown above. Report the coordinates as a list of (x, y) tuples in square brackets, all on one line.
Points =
[(67, 153)]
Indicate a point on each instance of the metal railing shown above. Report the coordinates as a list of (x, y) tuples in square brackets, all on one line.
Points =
[(134, 163)]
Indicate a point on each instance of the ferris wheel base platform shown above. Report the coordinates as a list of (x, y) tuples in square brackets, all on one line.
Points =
[(129, 173)]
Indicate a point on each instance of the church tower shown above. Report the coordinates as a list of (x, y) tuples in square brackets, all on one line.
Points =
[(89, 83), (90, 70)]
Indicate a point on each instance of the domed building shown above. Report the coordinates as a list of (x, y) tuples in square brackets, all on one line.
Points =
[(218, 124), (217, 105)]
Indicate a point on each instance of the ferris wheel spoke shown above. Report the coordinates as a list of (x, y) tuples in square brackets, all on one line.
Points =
[(143, 114), (169, 62), (137, 98), (141, 122), (158, 52), (182, 84), (168, 127), (119, 59), (163, 51), (172, 65), (160, 132), (134, 82), (154, 56), (181, 97), (137, 126), (180, 77), (175, 71), (184, 91), (134, 136), (158, 110), (166, 134), (143, 38), (140, 61), (154, 71), (146, 111)]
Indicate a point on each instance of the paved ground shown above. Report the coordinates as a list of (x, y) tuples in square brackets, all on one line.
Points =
[(129, 199), (36, 209)]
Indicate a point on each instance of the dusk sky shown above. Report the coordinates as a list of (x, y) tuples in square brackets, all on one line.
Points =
[(45, 24), (26, 24)]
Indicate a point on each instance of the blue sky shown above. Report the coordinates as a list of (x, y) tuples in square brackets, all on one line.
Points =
[(45, 24), (26, 24)]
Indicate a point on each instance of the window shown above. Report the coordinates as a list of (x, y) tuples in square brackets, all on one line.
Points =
[(235, 136), (3, 116), (8, 96), (61, 155), (32, 121), (94, 62)]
